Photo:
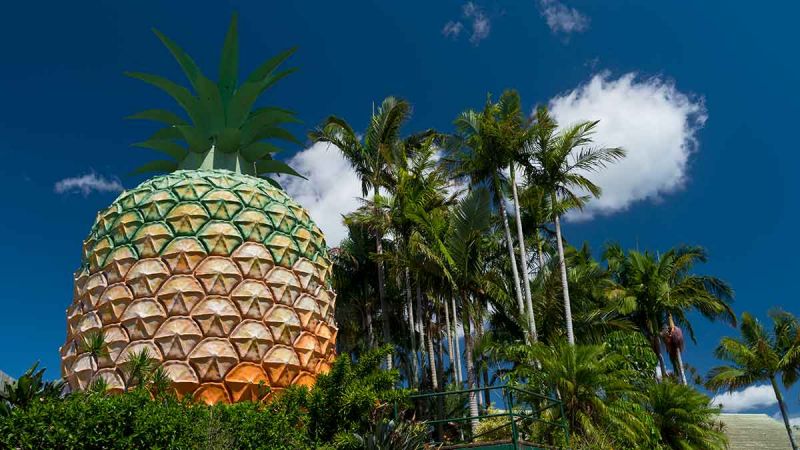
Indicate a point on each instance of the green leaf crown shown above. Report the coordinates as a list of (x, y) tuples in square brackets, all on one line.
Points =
[(225, 130)]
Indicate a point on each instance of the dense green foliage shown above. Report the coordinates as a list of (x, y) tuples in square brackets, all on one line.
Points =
[(457, 254), (339, 412), (466, 226)]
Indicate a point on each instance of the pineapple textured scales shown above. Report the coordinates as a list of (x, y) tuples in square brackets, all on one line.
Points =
[(220, 276)]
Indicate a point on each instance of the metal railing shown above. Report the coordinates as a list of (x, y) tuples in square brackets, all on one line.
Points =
[(527, 417)]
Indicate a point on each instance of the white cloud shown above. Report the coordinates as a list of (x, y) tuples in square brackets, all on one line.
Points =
[(452, 29), (654, 122), (332, 188), (561, 18), (480, 24), (752, 397), (86, 184)]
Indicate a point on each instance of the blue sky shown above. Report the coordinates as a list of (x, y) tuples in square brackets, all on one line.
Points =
[(703, 97)]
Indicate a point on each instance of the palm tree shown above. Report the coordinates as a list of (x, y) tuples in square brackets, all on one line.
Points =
[(664, 290), (368, 158), (536, 213), (416, 185), (510, 131), (591, 383), (28, 388), (478, 153), (138, 367), (352, 272), (684, 417), (761, 355), (94, 343), (460, 249), (561, 171)]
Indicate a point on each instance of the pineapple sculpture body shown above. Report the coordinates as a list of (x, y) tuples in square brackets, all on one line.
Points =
[(213, 273)]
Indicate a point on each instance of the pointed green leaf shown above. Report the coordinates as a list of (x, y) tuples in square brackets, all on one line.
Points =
[(271, 115), (270, 65), (166, 134), (274, 109), (273, 182), (258, 150), (167, 147), (266, 119), (179, 93), (159, 115), (242, 102), (229, 64), (211, 102), (228, 140), (187, 64), (275, 166), (156, 166), (198, 141), (268, 132)]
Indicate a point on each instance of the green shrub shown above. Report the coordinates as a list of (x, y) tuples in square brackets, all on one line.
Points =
[(347, 402)]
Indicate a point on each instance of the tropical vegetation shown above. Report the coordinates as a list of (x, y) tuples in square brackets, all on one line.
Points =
[(456, 253)]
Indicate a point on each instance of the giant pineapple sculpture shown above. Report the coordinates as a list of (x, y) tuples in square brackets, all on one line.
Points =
[(213, 273)]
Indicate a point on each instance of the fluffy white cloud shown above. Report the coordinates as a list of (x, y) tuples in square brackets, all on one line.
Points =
[(481, 26), (332, 188), (452, 29), (751, 397), (654, 122), (86, 184), (478, 20), (561, 18)]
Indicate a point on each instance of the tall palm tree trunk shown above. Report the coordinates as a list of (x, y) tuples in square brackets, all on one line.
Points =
[(410, 308), (432, 357), (679, 368), (456, 344), (420, 326), (471, 378), (370, 331), (483, 370), (564, 285), (784, 411), (387, 336), (523, 257), (510, 244), (440, 360), (661, 364), (677, 363), (450, 348)]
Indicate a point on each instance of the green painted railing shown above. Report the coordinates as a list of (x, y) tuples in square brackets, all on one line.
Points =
[(522, 409)]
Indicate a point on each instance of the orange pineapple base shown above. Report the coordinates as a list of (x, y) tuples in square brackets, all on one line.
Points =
[(221, 277)]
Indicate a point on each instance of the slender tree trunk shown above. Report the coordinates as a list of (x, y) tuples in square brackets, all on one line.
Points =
[(523, 257), (450, 348), (662, 364), (420, 326), (456, 344), (564, 285), (370, 331), (410, 306), (677, 363), (482, 370), (471, 379), (432, 357), (387, 336), (440, 360), (679, 369), (539, 251), (784, 411), (510, 244)]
